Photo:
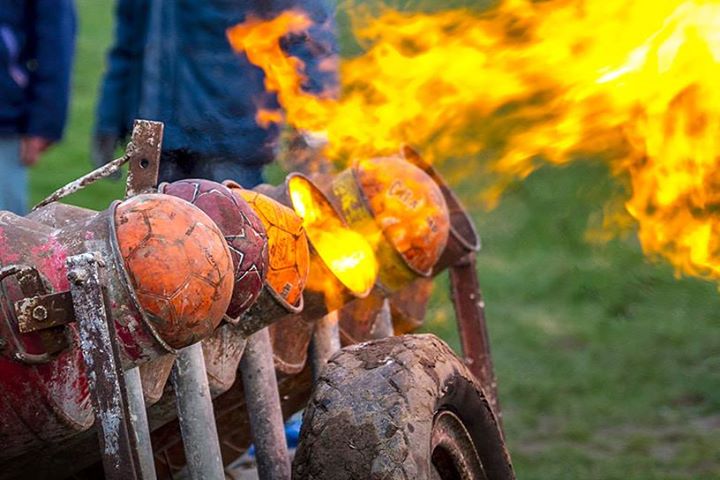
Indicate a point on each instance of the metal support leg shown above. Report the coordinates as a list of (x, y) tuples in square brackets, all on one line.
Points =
[(107, 385), (383, 326), (325, 342), (263, 406), (138, 414), (470, 312), (196, 416)]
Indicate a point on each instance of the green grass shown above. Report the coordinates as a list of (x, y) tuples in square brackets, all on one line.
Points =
[(608, 365), (71, 158)]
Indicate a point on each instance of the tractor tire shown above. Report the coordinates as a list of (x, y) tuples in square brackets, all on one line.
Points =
[(400, 408)]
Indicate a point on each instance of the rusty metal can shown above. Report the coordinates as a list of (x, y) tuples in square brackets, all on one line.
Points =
[(42, 375), (400, 209), (330, 285), (463, 238)]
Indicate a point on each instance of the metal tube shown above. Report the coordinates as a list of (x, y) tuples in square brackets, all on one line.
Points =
[(263, 407), (383, 323), (325, 342), (196, 416), (138, 415), (472, 327)]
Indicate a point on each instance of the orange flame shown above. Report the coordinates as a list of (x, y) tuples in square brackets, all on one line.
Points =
[(634, 82), (346, 253)]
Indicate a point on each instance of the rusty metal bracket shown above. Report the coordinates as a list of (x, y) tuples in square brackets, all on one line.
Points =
[(106, 379), (53, 340), (143, 152), (28, 278), (31, 282), (44, 311)]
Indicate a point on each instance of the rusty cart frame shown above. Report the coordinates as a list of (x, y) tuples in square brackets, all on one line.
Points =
[(132, 444)]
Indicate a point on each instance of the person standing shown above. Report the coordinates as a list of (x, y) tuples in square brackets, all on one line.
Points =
[(172, 62), (37, 42)]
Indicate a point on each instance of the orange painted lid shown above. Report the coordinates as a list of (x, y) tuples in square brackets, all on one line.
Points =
[(178, 263), (289, 257), (409, 208)]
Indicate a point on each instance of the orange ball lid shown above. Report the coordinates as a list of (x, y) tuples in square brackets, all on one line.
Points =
[(178, 264), (289, 257), (409, 208)]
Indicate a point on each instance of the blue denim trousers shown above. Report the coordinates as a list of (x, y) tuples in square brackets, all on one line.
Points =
[(13, 176)]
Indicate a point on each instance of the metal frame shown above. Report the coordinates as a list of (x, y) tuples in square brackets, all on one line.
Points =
[(325, 342), (472, 326), (108, 392), (138, 413), (121, 419)]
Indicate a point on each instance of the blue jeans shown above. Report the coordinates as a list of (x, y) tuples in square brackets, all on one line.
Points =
[(13, 176)]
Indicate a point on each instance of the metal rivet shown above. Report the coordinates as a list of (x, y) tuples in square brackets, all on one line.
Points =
[(40, 313), (78, 276)]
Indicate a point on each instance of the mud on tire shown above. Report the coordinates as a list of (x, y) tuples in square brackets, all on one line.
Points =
[(399, 408)]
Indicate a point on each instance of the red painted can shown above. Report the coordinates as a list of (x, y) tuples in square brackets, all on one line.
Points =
[(44, 396)]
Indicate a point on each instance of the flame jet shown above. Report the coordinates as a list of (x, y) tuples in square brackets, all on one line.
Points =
[(529, 83)]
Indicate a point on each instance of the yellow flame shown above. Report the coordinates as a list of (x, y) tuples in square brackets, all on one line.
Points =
[(632, 81), (346, 253)]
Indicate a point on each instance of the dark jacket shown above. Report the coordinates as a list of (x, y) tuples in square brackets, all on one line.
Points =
[(172, 62), (37, 40)]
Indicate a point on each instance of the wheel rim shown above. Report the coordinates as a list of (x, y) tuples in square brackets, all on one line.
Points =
[(453, 453)]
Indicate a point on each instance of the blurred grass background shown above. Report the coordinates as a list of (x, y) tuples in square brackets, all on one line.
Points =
[(608, 365)]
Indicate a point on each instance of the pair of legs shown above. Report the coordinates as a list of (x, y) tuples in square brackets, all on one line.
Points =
[(13, 176), (181, 164)]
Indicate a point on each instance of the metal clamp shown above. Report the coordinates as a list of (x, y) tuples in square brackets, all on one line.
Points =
[(42, 312), (32, 284)]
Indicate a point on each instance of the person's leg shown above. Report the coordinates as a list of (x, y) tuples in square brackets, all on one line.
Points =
[(174, 165), (246, 175), (13, 176)]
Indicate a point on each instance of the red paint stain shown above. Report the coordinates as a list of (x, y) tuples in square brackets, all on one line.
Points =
[(50, 257), (6, 252)]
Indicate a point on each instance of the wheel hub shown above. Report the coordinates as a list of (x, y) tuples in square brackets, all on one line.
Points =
[(454, 455)]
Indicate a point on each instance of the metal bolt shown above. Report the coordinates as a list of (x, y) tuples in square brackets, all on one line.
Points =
[(40, 313), (78, 276)]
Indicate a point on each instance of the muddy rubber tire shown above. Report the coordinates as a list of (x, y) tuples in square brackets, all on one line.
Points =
[(384, 410)]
